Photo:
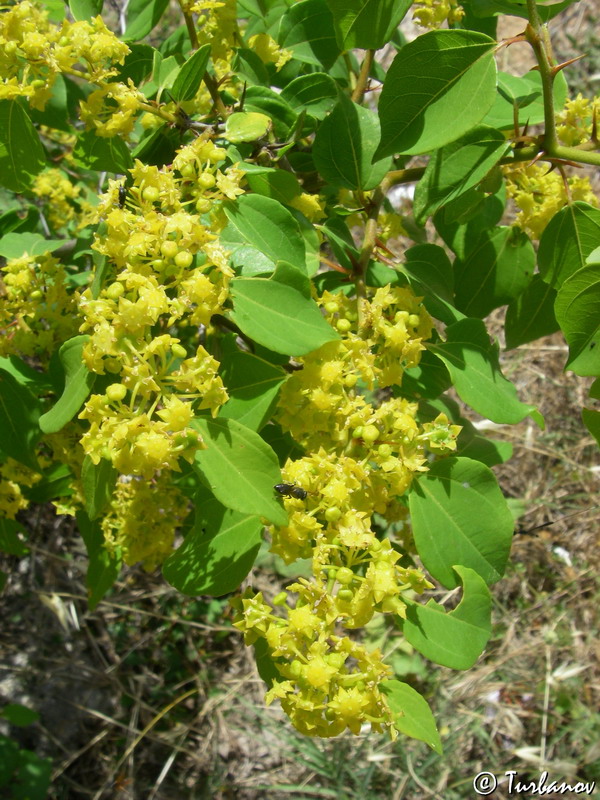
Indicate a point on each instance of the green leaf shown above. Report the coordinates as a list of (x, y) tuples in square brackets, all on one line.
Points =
[(18, 219), (412, 715), (265, 663), (518, 8), (246, 126), (568, 239), (217, 554), (531, 315), (78, 384), (188, 80), (19, 715), (98, 482), (461, 237), (26, 775), (240, 468), (279, 317), (102, 153), (10, 542), (577, 310), (307, 30), (19, 417), (345, 145), (38, 382), (159, 147), (104, 566), (496, 271), (430, 273), (142, 17), (57, 482), (22, 155), (85, 9), (526, 94), (591, 420), (457, 167), (429, 379), (16, 245), (278, 184), (315, 93), (367, 24), (445, 529), (265, 101), (248, 66), (252, 385), (455, 639), (430, 78), (472, 361), (137, 65), (269, 227)]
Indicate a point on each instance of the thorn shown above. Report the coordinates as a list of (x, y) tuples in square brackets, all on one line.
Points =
[(558, 67), (382, 245)]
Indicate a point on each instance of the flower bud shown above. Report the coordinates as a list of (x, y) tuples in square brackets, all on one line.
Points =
[(115, 392)]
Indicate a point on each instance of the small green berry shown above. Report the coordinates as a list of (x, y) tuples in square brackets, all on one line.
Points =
[(370, 433), (183, 259), (116, 392), (206, 180), (151, 194)]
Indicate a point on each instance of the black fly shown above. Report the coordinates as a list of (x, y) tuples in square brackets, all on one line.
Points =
[(122, 196), (291, 490)]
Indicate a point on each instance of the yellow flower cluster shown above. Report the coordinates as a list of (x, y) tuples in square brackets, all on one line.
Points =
[(539, 194), (38, 309), (60, 197), (35, 51), (269, 52), (361, 458), (142, 520), (13, 476), (169, 269), (574, 123), (217, 26), (433, 13)]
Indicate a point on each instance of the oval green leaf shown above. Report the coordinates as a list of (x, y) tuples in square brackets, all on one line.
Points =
[(412, 715), (430, 78), (252, 385), (577, 310), (78, 384), (568, 239), (531, 315), (315, 93), (472, 361), (246, 126), (269, 227), (345, 145), (279, 316), (190, 76), (459, 516), (19, 418), (217, 554), (240, 468), (366, 24), (495, 272), (456, 168), (455, 639), (22, 155), (307, 30)]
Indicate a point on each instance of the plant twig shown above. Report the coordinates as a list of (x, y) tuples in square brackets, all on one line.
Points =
[(363, 76)]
